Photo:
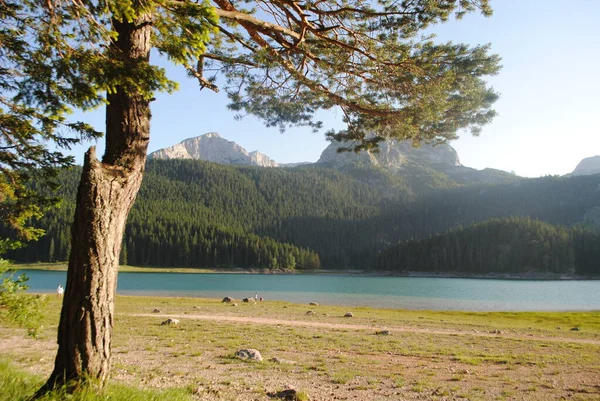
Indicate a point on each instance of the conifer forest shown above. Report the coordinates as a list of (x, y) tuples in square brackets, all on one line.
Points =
[(207, 215)]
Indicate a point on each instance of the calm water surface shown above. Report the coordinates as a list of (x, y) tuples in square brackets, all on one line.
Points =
[(380, 292)]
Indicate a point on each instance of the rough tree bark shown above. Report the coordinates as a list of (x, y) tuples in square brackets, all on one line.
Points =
[(106, 193)]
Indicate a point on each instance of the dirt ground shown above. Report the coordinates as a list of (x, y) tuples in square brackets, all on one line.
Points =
[(336, 360)]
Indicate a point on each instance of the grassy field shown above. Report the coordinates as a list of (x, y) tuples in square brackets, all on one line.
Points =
[(376, 354)]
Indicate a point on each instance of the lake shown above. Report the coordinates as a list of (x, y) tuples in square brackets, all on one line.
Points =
[(352, 290)]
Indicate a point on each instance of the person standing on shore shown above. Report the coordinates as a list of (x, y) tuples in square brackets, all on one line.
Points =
[(60, 291)]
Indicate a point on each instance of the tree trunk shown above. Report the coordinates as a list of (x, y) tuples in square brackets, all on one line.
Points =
[(106, 193)]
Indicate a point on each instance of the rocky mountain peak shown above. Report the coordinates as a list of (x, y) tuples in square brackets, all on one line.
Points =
[(588, 166), (212, 147), (393, 154), (418, 164)]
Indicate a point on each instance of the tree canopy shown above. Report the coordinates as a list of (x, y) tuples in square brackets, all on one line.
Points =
[(509, 246), (281, 60), (40, 83)]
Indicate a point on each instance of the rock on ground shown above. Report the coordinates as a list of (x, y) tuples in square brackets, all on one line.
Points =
[(249, 355)]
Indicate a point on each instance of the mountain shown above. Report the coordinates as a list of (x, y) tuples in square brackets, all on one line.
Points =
[(588, 166), (392, 154), (213, 148), (423, 168), (339, 213), (418, 169)]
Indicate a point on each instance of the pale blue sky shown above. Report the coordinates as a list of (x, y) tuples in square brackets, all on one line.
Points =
[(548, 112)]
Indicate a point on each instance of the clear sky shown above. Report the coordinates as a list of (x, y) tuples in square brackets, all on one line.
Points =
[(548, 113)]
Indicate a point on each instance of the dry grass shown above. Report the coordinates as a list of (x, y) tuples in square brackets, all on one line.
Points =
[(428, 355)]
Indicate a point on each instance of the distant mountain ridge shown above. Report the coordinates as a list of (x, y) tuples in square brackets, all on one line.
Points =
[(213, 148), (393, 154), (588, 166), (424, 167)]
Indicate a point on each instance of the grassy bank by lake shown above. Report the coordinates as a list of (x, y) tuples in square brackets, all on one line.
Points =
[(376, 354), (62, 266)]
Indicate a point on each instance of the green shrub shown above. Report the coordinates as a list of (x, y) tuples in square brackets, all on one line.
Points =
[(15, 305)]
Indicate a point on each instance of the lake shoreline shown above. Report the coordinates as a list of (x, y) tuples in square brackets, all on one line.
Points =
[(366, 273)]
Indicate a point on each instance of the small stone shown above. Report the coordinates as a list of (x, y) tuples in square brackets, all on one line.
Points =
[(575, 329), (310, 313), (234, 304), (249, 354), (314, 303), (349, 314), (383, 333), (170, 322), (156, 311), (249, 300), (228, 300)]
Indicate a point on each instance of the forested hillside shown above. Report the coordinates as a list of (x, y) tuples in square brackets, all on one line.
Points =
[(201, 214), (516, 245)]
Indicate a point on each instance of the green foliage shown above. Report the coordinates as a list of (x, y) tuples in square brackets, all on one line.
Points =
[(15, 306), (39, 78), (282, 64), (201, 214), (183, 34), (516, 245), (397, 84)]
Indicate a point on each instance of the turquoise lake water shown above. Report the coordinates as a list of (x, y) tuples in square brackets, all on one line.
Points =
[(350, 290)]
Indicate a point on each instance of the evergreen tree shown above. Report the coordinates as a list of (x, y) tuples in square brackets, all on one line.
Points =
[(51, 250), (281, 65), (508, 246)]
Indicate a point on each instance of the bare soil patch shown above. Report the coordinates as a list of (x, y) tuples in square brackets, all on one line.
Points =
[(334, 358)]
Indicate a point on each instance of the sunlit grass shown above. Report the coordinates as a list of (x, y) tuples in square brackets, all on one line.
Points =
[(16, 385), (425, 353)]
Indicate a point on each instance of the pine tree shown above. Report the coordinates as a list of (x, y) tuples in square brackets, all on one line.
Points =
[(282, 65)]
